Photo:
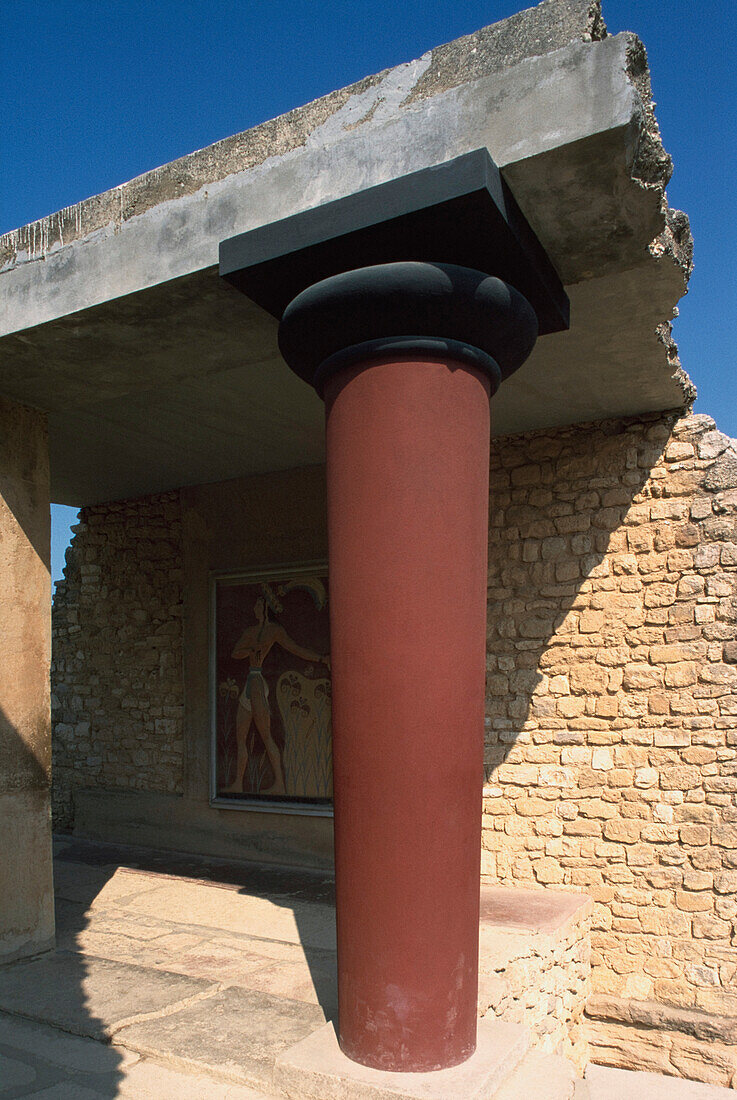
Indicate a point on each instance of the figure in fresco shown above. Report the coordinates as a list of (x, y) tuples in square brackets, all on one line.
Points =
[(254, 646)]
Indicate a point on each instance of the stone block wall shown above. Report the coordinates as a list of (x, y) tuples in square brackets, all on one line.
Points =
[(117, 690), (611, 741), (611, 748)]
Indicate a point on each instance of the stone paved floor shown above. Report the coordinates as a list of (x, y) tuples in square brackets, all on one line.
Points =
[(172, 976), (266, 932), (180, 977)]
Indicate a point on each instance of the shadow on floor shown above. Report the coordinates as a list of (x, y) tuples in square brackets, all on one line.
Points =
[(53, 988), (297, 889)]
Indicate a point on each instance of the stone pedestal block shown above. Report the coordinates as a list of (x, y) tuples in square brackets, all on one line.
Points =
[(317, 1069)]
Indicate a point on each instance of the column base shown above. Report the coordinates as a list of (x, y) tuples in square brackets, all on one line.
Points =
[(317, 1069), (26, 884)]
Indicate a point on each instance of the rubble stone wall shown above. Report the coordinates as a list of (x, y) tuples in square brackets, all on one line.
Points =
[(117, 691), (611, 742), (539, 977)]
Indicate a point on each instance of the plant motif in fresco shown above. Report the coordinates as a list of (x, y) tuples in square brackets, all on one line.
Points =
[(304, 704)]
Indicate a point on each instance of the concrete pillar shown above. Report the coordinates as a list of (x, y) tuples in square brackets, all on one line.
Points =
[(407, 468), (26, 888)]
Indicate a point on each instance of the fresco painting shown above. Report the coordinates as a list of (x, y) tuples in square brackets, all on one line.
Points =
[(272, 689)]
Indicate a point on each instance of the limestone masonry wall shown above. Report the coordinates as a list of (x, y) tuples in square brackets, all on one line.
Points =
[(611, 741), (611, 747), (117, 691)]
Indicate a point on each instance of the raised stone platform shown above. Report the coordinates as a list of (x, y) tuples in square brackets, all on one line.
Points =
[(533, 951), (534, 965), (178, 976), (227, 969)]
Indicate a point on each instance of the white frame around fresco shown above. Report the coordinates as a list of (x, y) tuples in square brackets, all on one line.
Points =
[(250, 576)]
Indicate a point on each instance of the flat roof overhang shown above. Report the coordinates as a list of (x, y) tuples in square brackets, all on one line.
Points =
[(459, 212), (156, 374)]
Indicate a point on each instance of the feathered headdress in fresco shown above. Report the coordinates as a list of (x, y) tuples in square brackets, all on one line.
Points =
[(271, 601), (313, 585)]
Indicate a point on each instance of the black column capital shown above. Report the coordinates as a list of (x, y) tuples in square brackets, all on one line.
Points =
[(431, 309), (439, 261)]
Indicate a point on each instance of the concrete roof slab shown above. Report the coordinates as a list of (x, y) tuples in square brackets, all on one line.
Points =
[(156, 374)]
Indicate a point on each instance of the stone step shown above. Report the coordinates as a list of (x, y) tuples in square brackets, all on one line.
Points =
[(541, 1077), (189, 1025), (316, 1069), (40, 1062), (606, 1083)]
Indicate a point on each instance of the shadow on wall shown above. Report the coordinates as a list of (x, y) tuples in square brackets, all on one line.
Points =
[(558, 507), (51, 987), (20, 767)]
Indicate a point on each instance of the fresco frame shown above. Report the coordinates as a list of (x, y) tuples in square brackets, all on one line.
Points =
[(265, 573)]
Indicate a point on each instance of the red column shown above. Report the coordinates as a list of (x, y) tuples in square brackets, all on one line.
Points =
[(407, 468), (406, 355)]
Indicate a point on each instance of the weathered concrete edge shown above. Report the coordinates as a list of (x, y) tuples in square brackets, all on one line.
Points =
[(530, 33), (179, 235), (653, 166), (454, 74)]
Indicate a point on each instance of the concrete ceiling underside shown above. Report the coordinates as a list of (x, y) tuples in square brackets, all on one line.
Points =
[(156, 374)]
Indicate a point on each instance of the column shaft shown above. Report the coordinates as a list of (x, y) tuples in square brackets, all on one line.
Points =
[(407, 469), (26, 891)]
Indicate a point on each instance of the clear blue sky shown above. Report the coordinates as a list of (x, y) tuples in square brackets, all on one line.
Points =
[(95, 93)]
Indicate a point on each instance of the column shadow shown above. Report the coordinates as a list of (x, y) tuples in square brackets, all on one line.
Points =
[(559, 507), (309, 894)]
